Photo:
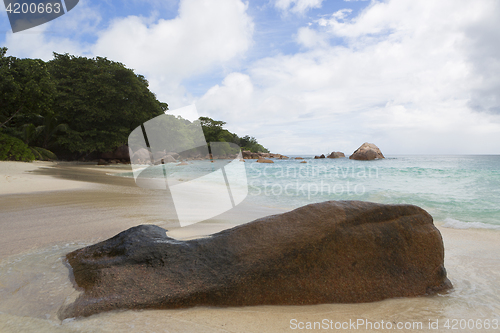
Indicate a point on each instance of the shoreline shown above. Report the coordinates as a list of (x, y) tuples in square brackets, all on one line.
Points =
[(86, 192), (83, 204)]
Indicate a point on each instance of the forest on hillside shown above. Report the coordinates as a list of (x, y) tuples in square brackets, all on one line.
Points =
[(75, 108)]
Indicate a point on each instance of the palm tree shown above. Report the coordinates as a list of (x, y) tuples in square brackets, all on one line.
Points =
[(44, 134)]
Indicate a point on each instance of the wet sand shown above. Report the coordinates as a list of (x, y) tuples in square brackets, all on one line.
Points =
[(47, 210)]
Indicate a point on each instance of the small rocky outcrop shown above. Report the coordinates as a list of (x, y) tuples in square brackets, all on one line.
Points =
[(367, 152), (318, 157), (141, 156), (249, 155), (336, 154), (330, 252), (168, 159), (174, 155), (120, 153), (264, 160)]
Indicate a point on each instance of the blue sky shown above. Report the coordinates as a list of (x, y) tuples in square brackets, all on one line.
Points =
[(304, 76)]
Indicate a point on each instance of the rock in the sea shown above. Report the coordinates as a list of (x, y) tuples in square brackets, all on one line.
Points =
[(168, 159), (264, 160), (336, 154), (367, 151), (321, 156), (330, 252)]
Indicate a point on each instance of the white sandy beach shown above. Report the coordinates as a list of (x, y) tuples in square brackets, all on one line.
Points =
[(48, 210)]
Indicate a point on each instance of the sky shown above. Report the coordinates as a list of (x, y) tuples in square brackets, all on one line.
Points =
[(304, 76)]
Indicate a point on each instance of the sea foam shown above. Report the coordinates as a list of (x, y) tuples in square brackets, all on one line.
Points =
[(456, 224)]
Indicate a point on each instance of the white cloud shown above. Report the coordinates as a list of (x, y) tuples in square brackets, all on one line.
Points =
[(311, 38), (410, 76), (297, 6), (41, 41), (204, 36), (234, 97)]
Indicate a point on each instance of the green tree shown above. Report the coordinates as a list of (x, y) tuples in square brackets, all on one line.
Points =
[(41, 138), (215, 132), (101, 102), (26, 91), (13, 149), (250, 143), (212, 129)]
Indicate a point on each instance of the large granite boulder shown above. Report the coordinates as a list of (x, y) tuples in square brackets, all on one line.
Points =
[(336, 154), (168, 159), (330, 252), (367, 151), (120, 153), (246, 154), (141, 156)]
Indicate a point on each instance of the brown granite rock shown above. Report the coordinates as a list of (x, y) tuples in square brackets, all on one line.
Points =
[(367, 151), (141, 156), (120, 153), (330, 252), (168, 159), (264, 160), (336, 154), (246, 154)]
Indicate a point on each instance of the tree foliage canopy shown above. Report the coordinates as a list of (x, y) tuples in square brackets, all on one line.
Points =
[(76, 106), (26, 89), (101, 101), (215, 132)]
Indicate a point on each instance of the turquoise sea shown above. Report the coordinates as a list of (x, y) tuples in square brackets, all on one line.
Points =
[(461, 191)]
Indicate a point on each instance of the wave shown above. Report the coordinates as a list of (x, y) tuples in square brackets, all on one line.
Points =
[(457, 224)]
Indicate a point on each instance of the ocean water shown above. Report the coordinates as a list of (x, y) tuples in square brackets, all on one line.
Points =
[(461, 191)]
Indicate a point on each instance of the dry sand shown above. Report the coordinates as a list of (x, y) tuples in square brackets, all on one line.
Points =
[(47, 210)]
